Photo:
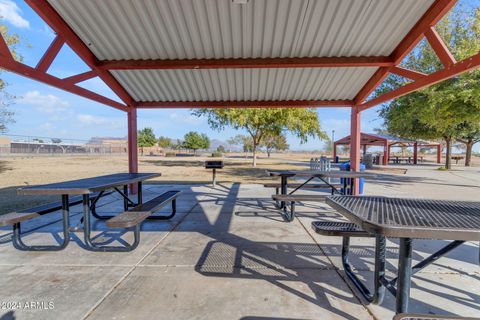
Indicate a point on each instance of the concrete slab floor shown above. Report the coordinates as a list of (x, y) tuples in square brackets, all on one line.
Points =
[(228, 254)]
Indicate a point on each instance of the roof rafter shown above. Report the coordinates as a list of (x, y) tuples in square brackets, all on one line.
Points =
[(246, 104), (408, 73), (56, 22), (32, 73), (436, 11), (50, 55), (81, 77), (440, 48), (438, 76), (316, 62)]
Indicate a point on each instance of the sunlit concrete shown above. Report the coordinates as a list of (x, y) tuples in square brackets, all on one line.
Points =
[(228, 254)]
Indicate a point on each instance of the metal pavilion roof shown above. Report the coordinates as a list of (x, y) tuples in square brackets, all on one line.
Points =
[(381, 139), (219, 29), (262, 53)]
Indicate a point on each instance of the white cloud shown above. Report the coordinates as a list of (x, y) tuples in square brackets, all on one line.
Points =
[(11, 13), (186, 119), (91, 120), (88, 119), (47, 103), (46, 126)]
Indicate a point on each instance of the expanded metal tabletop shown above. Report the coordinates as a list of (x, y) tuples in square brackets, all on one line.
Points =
[(411, 218), (88, 185), (318, 173)]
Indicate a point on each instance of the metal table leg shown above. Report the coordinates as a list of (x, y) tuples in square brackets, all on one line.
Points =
[(125, 200), (87, 233), (404, 275), (20, 245), (139, 193), (283, 191), (379, 273)]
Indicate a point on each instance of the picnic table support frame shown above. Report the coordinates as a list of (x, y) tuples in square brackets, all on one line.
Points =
[(399, 286), (379, 273), (404, 275), (20, 245), (89, 241)]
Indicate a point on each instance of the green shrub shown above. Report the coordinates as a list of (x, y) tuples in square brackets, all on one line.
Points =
[(170, 154), (217, 154)]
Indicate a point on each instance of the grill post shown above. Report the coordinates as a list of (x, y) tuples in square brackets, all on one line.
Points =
[(214, 165), (214, 178)]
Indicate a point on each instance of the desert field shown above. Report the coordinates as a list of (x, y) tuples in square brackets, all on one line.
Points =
[(19, 171)]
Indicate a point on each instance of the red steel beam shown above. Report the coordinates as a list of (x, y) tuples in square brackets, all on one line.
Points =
[(408, 73), (81, 77), (56, 22), (436, 11), (440, 48), (50, 55), (246, 104), (449, 72), (19, 68), (4, 50), (317, 62)]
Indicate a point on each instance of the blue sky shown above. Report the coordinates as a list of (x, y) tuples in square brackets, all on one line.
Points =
[(41, 110)]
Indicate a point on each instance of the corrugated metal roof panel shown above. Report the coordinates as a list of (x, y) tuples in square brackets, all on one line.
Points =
[(244, 84), (187, 29)]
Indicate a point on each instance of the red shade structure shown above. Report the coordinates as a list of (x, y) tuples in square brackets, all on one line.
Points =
[(387, 142), (189, 54)]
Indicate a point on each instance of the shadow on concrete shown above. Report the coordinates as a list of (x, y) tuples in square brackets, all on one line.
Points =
[(275, 262), (10, 315)]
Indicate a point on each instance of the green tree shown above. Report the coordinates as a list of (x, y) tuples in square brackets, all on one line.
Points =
[(328, 146), (146, 138), (274, 142), (445, 109), (194, 141), (164, 142), (258, 122), (6, 99), (221, 149), (470, 136)]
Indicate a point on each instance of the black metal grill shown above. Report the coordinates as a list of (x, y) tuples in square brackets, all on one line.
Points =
[(422, 218), (213, 164)]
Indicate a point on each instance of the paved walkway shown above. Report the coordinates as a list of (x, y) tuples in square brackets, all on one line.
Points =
[(228, 255)]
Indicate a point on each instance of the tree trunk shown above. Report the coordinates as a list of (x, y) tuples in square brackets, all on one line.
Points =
[(254, 150), (448, 154), (268, 152), (468, 153)]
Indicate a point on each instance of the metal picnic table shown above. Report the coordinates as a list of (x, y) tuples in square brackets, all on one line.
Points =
[(407, 219), (324, 176), (85, 187)]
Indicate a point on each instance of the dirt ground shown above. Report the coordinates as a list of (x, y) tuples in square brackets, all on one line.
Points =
[(19, 171)]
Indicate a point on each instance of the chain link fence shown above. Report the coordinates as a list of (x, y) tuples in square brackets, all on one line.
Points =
[(33, 145)]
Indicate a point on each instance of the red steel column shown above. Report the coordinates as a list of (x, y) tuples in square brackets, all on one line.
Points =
[(355, 143), (386, 153), (415, 153), (439, 154), (132, 145)]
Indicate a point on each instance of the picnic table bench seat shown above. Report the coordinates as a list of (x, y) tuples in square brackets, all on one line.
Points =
[(338, 229), (135, 216), (412, 316), (37, 211), (307, 186)]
